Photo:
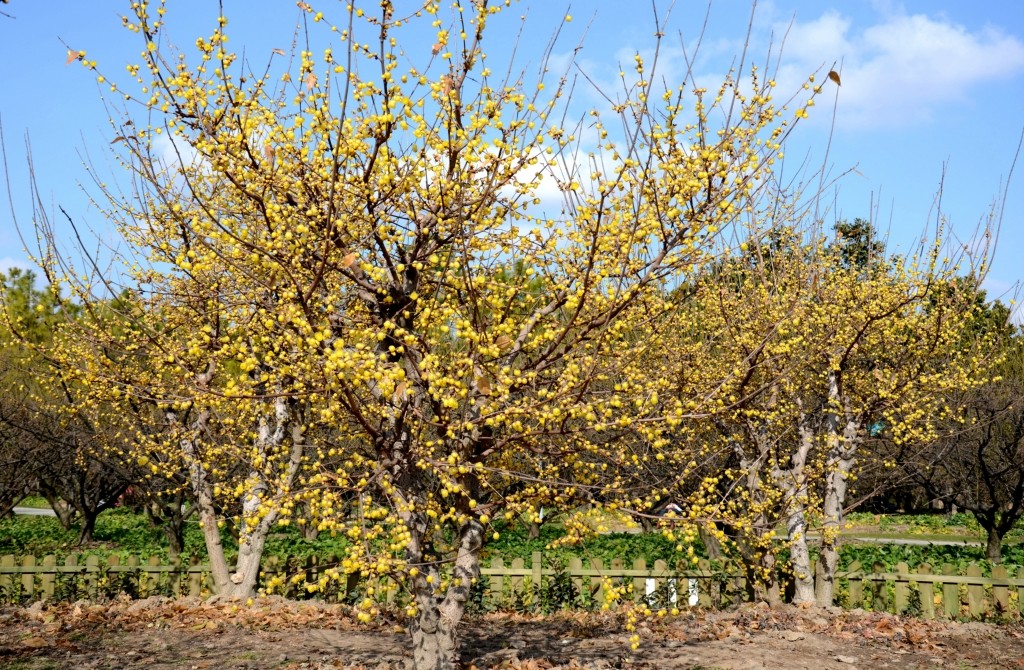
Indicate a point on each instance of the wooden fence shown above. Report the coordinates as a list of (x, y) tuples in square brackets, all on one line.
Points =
[(537, 585)]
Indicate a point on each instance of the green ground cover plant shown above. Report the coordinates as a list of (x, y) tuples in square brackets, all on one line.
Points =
[(123, 532)]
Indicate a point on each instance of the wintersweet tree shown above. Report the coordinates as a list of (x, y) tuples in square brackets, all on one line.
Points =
[(850, 347), (349, 307)]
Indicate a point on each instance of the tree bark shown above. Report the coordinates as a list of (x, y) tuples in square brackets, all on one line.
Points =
[(88, 527), (800, 557), (841, 458), (794, 482), (435, 629), (994, 545)]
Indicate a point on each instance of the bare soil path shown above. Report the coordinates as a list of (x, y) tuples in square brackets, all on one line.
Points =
[(276, 634)]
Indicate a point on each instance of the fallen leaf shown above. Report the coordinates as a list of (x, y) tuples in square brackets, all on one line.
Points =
[(483, 384), (35, 642)]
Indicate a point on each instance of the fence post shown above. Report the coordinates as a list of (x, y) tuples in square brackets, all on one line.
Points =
[(144, 583), (517, 580), (175, 576), (497, 582), (879, 592), (155, 575), (113, 577), (47, 579), (597, 582), (902, 590), (703, 586), (195, 578), (950, 594), (28, 579), (74, 578), (6, 561), (618, 565), (975, 592), (1000, 592), (927, 592), (576, 574), (856, 586), (92, 575), (639, 583)]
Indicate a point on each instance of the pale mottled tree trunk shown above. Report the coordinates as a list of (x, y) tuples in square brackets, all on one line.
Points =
[(794, 481), (841, 458), (256, 522), (435, 629)]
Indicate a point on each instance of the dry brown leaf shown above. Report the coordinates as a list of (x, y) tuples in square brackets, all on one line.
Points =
[(503, 341), (310, 81), (834, 76), (73, 56), (436, 49), (279, 52), (35, 642), (304, 6), (268, 152), (483, 384), (349, 259)]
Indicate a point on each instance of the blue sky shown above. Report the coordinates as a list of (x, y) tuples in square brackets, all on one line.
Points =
[(927, 87)]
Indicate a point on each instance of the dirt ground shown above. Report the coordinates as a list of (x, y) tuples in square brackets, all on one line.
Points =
[(277, 634)]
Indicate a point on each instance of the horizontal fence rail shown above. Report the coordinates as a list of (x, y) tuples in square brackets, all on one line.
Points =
[(535, 585)]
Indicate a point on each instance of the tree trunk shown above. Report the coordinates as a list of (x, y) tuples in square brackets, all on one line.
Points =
[(534, 531), (65, 512), (168, 517), (435, 629), (762, 581), (840, 464), (842, 434), (711, 544), (88, 526), (800, 558), (174, 531), (794, 482), (994, 545)]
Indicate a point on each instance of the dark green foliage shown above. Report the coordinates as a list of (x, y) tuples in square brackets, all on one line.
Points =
[(121, 532)]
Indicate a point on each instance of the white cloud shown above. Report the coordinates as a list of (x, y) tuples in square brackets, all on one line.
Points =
[(901, 70), (7, 263)]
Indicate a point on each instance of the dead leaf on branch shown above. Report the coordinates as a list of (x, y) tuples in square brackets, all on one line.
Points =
[(834, 76), (73, 56), (310, 81)]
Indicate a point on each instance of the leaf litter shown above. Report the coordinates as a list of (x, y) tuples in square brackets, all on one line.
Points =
[(274, 633)]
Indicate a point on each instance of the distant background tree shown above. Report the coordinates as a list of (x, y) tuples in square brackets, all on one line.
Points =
[(977, 461)]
